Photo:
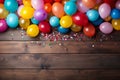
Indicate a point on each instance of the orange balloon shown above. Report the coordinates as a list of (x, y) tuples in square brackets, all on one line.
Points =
[(58, 9), (89, 3), (48, 7)]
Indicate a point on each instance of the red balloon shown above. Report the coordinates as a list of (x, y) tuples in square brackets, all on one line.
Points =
[(111, 2), (57, 0), (44, 27), (1, 1), (48, 1), (80, 19), (89, 30)]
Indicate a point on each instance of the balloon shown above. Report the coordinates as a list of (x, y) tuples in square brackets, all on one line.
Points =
[(110, 2), (117, 5), (3, 26), (11, 5), (73, 0), (24, 23), (44, 27), (107, 19), (57, 0), (20, 2), (115, 13), (97, 22), (48, 1), (19, 9), (63, 30), (48, 7), (76, 28), (66, 21), (3, 12), (32, 30), (37, 4), (93, 15), (58, 9), (89, 3), (34, 21), (40, 14), (89, 30), (27, 12), (12, 20), (81, 7), (106, 27), (1, 1), (54, 21), (99, 1), (116, 24), (80, 19), (104, 10), (27, 2), (70, 8)]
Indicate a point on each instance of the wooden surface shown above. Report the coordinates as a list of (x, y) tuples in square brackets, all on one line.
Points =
[(33, 59)]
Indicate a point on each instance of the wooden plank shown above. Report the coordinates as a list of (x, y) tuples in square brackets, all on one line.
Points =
[(59, 74), (60, 61), (89, 47)]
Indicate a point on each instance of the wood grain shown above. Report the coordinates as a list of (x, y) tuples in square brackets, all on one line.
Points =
[(60, 61), (89, 47), (59, 74)]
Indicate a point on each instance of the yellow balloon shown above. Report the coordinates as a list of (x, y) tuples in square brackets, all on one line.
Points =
[(3, 12), (76, 28), (116, 24), (27, 2), (24, 23), (66, 21), (27, 12), (108, 19), (32, 30)]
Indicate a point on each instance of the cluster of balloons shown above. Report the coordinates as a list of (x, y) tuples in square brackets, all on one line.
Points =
[(37, 16)]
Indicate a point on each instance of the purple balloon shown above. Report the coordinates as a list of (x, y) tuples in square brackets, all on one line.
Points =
[(81, 7), (117, 5), (40, 15), (3, 26), (106, 28), (104, 10)]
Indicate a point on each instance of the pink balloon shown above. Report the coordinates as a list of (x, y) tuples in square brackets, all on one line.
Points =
[(117, 5), (81, 6), (3, 26), (104, 10), (106, 28), (37, 4), (19, 9)]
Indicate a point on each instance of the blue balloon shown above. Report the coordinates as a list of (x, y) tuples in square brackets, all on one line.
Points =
[(63, 30), (73, 0), (34, 21), (12, 20), (11, 5), (54, 21), (97, 22), (115, 13), (70, 8), (93, 15)]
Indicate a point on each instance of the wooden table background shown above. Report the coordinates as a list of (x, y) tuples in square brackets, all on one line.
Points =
[(33, 59)]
